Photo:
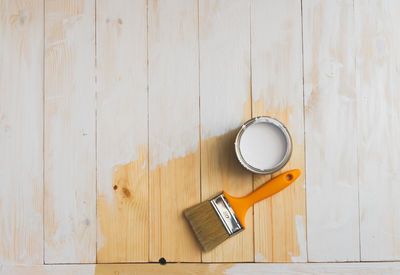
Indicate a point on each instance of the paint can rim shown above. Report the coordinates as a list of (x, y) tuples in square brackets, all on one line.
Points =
[(284, 131)]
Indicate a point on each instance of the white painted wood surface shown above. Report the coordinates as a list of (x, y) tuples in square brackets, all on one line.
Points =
[(122, 194), (378, 87), (21, 132), (69, 142), (174, 80), (224, 44), (331, 131)]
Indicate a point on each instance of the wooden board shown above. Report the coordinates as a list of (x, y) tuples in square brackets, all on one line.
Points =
[(122, 201), (378, 80), (331, 135), (200, 269), (115, 116), (174, 156), (21, 132), (277, 91), (70, 151), (225, 84)]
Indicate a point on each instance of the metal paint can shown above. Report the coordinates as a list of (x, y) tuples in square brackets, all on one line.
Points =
[(278, 128)]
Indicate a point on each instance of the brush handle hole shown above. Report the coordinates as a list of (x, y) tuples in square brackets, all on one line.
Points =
[(289, 177)]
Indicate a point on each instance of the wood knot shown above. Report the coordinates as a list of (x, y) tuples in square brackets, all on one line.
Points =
[(22, 19), (126, 192)]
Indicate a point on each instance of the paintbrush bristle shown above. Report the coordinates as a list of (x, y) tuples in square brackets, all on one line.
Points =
[(206, 225)]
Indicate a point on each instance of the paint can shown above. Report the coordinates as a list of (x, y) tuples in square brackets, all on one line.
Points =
[(263, 145)]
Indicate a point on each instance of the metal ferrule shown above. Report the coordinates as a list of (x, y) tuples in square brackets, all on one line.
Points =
[(226, 214)]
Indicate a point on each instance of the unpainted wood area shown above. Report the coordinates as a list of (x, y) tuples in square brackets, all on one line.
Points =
[(117, 115)]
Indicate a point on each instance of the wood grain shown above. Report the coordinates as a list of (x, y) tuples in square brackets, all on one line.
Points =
[(145, 96), (378, 80), (225, 104), (21, 132), (217, 269), (277, 84), (70, 152), (331, 135), (122, 201), (174, 156)]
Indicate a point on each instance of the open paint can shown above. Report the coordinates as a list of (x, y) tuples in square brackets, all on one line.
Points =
[(263, 145)]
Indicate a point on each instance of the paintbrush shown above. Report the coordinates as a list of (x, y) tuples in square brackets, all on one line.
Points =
[(219, 218)]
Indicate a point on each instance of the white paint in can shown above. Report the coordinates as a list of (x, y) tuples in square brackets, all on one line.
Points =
[(263, 145)]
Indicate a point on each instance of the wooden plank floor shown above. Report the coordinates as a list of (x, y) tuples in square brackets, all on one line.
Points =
[(117, 115)]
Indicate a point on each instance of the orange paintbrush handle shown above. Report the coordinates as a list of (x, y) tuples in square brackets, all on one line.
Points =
[(241, 205)]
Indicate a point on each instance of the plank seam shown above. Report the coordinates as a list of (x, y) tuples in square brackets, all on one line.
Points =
[(251, 114), (148, 131), (304, 123), (356, 29), (223, 263), (95, 116), (199, 91), (43, 130)]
